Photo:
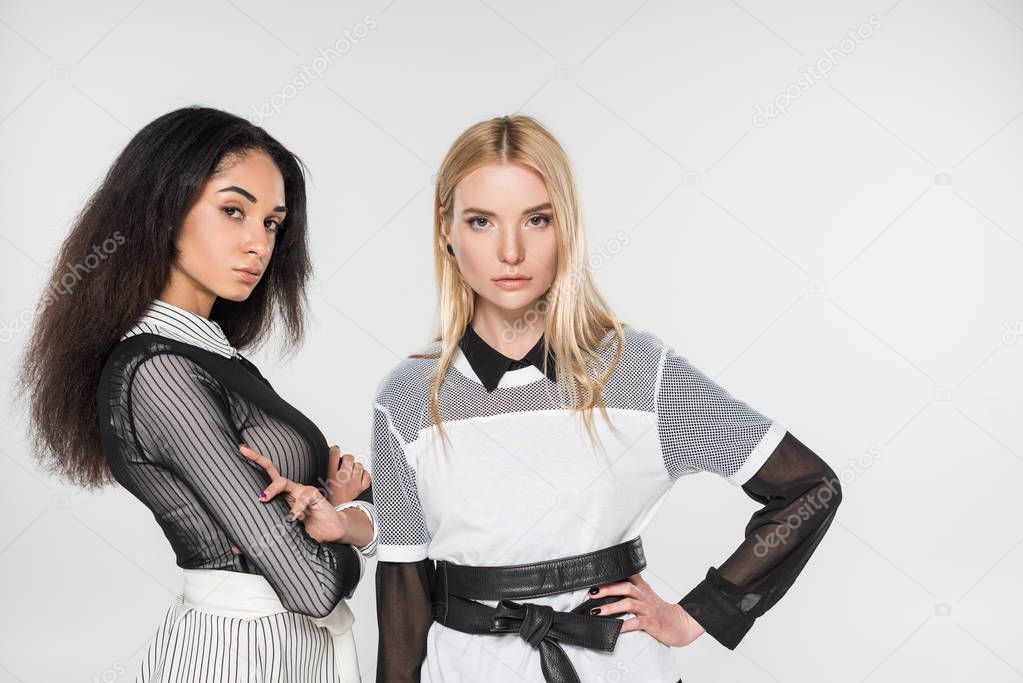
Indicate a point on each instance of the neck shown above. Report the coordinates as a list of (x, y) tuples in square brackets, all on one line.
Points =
[(512, 332), (184, 292)]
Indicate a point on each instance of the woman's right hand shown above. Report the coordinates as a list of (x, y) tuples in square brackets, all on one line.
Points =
[(307, 503), (351, 478)]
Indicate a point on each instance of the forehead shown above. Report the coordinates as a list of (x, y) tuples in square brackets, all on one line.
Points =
[(497, 187), (255, 171)]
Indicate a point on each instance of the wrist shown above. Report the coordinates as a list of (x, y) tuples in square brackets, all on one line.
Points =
[(367, 512)]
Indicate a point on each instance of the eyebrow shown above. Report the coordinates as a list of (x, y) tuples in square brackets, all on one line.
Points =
[(248, 195), (483, 212)]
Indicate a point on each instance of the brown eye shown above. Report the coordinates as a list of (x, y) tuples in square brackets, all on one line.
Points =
[(229, 209)]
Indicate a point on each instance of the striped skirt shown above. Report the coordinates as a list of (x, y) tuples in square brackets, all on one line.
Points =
[(230, 627)]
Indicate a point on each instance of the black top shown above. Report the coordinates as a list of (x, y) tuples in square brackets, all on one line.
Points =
[(171, 418)]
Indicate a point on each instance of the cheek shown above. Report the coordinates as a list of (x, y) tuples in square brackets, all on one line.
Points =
[(203, 245), (544, 249), (472, 257)]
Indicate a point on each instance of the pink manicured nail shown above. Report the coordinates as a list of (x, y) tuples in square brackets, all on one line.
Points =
[(262, 496)]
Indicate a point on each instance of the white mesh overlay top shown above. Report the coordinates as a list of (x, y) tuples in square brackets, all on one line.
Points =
[(522, 483)]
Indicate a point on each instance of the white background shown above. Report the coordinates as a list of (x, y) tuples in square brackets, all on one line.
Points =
[(852, 268)]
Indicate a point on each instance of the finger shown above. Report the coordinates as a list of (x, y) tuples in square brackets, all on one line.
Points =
[(634, 624), (367, 479), (344, 473), (278, 485), (306, 497), (617, 588), (358, 473), (625, 605), (309, 503), (333, 459), (638, 580), (260, 460)]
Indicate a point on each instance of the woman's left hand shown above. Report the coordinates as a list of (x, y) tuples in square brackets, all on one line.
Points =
[(665, 621), (321, 520)]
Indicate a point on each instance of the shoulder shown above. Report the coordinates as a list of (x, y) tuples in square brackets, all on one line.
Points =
[(149, 362), (643, 343), (409, 379), (634, 381), (642, 351), (403, 394)]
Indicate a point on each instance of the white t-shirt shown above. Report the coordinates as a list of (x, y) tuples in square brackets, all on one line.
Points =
[(521, 482)]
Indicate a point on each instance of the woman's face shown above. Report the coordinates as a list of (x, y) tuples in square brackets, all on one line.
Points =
[(228, 234), (503, 235)]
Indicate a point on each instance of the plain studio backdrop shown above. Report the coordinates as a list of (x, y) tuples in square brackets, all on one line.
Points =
[(817, 203)]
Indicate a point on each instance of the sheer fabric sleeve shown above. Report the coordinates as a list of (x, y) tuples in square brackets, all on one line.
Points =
[(704, 428), (181, 420), (800, 495), (404, 618), (403, 571)]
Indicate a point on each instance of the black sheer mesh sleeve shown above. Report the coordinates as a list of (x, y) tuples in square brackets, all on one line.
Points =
[(800, 495), (403, 618), (193, 476)]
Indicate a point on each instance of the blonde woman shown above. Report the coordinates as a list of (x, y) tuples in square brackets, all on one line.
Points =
[(518, 459)]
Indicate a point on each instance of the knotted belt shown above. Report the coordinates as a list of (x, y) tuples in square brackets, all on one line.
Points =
[(456, 588)]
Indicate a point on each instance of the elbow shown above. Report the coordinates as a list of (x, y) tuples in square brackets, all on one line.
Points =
[(319, 608), (830, 492), (315, 607)]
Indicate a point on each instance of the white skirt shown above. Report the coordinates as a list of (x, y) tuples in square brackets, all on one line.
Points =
[(230, 627)]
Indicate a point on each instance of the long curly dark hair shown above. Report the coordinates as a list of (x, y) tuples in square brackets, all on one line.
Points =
[(118, 258)]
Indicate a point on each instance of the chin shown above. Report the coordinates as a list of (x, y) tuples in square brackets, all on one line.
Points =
[(236, 294), (514, 301)]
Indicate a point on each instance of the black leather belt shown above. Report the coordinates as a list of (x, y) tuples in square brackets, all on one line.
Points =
[(456, 588)]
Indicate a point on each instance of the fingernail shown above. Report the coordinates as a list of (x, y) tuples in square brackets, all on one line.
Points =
[(262, 496), (595, 610), (290, 517), (594, 590)]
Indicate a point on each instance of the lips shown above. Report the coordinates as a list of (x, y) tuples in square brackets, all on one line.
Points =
[(254, 271), (512, 278)]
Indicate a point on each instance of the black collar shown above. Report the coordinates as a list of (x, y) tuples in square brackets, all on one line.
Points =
[(489, 364)]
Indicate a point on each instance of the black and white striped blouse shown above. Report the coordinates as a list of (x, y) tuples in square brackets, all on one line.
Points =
[(175, 400)]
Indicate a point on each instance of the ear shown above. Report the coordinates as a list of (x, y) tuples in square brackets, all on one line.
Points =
[(445, 228)]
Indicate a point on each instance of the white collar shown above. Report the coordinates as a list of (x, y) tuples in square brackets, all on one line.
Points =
[(171, 321)]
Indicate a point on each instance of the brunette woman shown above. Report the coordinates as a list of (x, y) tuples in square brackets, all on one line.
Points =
[(134, 375)]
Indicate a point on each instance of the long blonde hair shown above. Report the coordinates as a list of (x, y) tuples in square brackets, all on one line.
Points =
[(576, 316)]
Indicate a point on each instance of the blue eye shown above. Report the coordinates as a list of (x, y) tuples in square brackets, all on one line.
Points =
[(474, 225), (545, 218)]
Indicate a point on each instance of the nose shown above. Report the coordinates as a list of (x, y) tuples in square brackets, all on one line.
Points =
[(257, 242), (512, 250)]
